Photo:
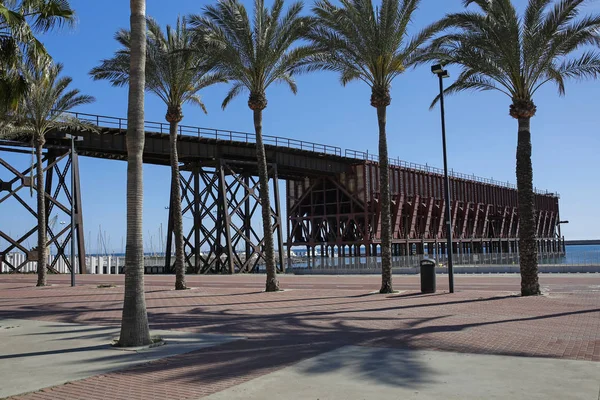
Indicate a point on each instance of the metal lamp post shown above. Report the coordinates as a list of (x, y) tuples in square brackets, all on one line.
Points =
[(442, 73)]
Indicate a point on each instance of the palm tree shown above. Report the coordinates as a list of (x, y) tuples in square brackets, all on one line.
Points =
[(41, 111), (499, 50), (370, 44), (13, 87), (134, 322), (175, 72), (254, 55), (19, 22)]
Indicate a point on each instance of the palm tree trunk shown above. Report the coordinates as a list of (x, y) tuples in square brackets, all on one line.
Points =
[(527, 236), (41, 214), (134, 324), (175, 207), (386, 217), (263, 179)]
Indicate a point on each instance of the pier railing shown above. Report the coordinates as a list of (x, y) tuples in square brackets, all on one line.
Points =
[(492, 263), (245, 137), (210, 133), (113, 264), (361, 155)]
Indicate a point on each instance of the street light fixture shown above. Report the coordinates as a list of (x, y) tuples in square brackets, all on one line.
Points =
[(442, 73), (439, 70)]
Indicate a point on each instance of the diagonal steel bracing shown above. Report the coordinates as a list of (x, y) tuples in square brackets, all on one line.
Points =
[(20, 185), (322, 210), (221, 206)]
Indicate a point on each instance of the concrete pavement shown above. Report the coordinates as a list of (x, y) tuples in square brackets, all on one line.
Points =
[(39, 354), (357, 373)]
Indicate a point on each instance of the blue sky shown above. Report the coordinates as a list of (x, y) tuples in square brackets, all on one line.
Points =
[(481, 135)]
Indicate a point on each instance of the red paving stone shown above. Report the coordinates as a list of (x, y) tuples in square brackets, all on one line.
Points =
[(316, 315)]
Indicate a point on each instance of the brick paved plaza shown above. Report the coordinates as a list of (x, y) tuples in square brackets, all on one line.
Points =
[(312, 316)]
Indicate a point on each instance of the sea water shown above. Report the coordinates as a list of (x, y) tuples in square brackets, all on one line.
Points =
[(575, 255), (583, 254)]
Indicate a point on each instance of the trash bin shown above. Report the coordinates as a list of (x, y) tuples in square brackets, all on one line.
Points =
[(427, 276)]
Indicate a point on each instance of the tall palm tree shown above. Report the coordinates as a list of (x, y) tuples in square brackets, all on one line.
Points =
[(499, 50), (254, 55), (175, 73), (134, 322), (43, 110), (19, 22), (370, 44)]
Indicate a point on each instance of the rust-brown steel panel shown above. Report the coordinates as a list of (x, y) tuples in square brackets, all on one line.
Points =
[(465, 220), (440, 227), (426, 233), (413, 219)]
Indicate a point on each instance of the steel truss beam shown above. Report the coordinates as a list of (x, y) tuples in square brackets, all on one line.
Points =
[(345, 210), (221, 202), (322, 210), (60, 163)]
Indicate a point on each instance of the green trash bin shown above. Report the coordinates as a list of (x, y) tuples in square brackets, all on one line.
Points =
[(427, 275)]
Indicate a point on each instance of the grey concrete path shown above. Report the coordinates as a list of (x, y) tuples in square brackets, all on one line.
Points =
[(353, 373), (39, 354)]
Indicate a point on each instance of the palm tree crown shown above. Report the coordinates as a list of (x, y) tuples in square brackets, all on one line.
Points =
[(367, 43), (253, 55), (498, 50), (47, 102), (175, 71), (19, 22)]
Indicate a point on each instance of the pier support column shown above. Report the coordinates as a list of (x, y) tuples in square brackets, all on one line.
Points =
[(59, 166)]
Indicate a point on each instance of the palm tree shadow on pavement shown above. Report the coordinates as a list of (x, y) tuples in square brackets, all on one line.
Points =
[(277, 338)]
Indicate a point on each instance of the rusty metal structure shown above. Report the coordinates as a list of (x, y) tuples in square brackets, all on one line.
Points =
[(332, 198), (59, 163), (222, 201), (341, 214)]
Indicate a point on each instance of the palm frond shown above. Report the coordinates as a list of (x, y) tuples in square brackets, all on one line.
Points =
[(72, 124), (366, 43), (468, 81), (10, 131), (518, 55), (115, 70), (207, 80), (48, 14), (176, 67), (253, 53), (47, 102), (533, 14), (586, 66), (289, 80), (197, 100), (349, 75), (20, 21), (234, 91)]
